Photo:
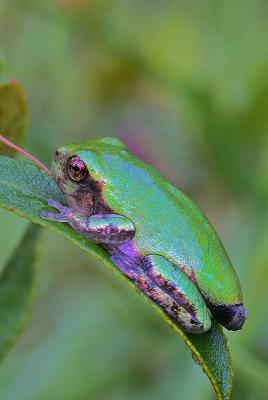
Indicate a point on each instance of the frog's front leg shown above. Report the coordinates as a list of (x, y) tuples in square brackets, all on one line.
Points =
[(109, 229)]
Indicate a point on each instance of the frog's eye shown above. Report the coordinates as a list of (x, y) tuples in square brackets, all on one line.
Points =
[(77, 169)]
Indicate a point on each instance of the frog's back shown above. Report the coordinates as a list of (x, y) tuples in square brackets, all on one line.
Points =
[(168, 223)]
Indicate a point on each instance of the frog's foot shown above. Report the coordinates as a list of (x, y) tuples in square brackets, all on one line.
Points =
[(64, 215), (232, 317), (168, 287), (190, 311)]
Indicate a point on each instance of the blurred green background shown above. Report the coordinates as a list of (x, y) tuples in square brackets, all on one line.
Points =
[(185, 85)]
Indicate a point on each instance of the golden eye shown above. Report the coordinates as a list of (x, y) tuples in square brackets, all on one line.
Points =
[(77, 169)]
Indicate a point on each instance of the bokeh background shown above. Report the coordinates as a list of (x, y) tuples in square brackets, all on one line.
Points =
[(185, 85)]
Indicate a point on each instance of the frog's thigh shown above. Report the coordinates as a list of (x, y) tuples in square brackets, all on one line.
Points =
[(194, 312)]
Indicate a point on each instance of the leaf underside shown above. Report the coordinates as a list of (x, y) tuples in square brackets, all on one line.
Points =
[(17, 288), (24, 189)]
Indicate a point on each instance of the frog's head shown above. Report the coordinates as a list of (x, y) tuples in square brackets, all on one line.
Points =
[(80, 171)]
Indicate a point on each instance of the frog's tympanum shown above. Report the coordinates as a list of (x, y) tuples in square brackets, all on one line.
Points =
[(152, 232)]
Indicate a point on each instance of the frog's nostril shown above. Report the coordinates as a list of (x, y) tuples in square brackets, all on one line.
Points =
[(60, 154), (56, 155)]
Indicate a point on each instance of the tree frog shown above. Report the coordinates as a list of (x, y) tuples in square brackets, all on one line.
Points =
[(151, 231)]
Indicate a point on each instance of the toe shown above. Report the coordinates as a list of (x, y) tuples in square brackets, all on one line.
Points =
[(231, 316), (55, 204)]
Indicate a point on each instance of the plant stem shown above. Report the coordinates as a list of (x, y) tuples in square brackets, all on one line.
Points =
[(24, 153)]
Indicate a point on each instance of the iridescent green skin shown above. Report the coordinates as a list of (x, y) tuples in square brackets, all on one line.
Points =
[(172, 252)]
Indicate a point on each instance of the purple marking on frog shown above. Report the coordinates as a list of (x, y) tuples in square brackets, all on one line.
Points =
[(168, 286), (130, 249), (128, 259), (136, 274)]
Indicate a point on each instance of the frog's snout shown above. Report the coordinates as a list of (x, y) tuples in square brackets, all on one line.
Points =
[(59, 155), (58, 163)]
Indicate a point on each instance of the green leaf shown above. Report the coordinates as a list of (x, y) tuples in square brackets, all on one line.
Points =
[(13, 114), (17, 287), (24, 189)]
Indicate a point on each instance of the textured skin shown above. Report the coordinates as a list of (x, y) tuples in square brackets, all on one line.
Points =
[(167, 223), (178, 285), (168, 287), (158, 278)]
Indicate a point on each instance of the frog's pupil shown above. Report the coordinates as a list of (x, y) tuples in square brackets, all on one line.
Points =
[(76, 169)]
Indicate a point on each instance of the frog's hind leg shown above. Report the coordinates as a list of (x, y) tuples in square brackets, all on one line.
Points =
[(179, 286), (169, 288)]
